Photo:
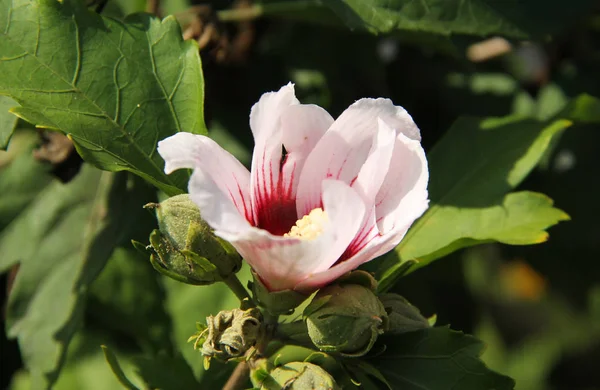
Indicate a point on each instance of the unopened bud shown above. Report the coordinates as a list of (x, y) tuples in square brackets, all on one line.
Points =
[(346, 319), (184, 246), (299, 376)]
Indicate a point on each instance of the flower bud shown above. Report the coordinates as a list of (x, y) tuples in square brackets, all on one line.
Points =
[(403, 317), (299, 376), (345, 319), (231, 333), (185, 248)]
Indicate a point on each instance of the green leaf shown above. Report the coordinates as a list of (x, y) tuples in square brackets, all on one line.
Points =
[(512, 18), (15, 164), (128, 298), (166, 373), (8, 121), (113, 362), (437, 359), (471, 169), (61, 243), (116, 88), (84, 368)]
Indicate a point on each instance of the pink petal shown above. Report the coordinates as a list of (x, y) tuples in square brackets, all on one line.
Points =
[(408, 173), (283, 262), (402, 199), (274, 209), (344, 148), (380, 244), (186, 150)]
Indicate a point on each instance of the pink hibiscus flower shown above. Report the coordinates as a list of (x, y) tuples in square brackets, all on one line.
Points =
[(322, 197)]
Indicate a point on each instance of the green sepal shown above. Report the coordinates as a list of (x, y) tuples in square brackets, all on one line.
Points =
[(275, 302), (360, 277)]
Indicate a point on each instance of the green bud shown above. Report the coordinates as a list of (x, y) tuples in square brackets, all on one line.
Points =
[(403, 317), (299, 376), (346, 319), (184, 246), (231, 333)]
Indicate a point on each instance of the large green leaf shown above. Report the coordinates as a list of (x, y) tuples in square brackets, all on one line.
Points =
[(166, 373), (16, 164), (437, 359), (127, 298), (84, 368), (7, 120), (158, 372), (513, 18), (61, 242), (471, 169), (115, 88)]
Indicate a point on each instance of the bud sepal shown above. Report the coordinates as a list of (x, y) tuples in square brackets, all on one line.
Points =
[(403, 317)]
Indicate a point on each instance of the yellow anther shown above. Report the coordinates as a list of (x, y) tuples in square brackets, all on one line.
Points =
[(309, 226)]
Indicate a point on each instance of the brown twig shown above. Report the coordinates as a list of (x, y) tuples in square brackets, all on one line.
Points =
[(153, 7), (238, 378)]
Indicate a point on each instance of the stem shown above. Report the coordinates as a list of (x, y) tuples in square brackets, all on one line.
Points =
[(256, 11), (295, 331), (153, 6), (270, 319), (238, 378), (238, 289)]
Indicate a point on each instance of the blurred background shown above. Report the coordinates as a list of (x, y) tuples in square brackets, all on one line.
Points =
[(537, 307)]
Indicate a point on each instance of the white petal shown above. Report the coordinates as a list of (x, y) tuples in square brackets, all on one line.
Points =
[(217, 208), (408, 173), (267, 193), (283, 262), (303, 126), (375, 168), (186, 150), (345, 146)]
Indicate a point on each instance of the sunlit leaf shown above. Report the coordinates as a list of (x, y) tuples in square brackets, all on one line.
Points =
[(115, 88), (8, 120), (471, 169)]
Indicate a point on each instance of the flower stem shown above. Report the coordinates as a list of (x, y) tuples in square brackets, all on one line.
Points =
[(256, 11), (238, 289), (238, 378), (295, 331)]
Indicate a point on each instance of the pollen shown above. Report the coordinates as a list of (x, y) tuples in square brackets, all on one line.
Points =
[(309, 226)]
